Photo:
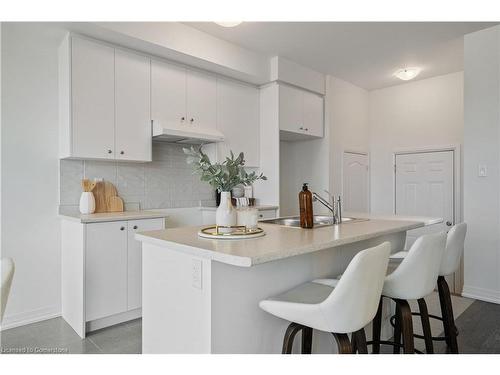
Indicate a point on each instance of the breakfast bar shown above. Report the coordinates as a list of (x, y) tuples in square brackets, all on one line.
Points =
[(201, 295)]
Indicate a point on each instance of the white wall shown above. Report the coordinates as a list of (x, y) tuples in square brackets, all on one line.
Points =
[(30, 227), (482, 147), (347, 118), (411, 116)]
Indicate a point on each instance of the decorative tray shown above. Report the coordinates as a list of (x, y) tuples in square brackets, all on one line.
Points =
[(230, 233)]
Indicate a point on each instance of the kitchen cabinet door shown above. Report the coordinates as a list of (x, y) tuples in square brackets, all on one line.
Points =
[(290, 109), (201, 102), (133, 135), (134, 274), (105, 269), (92, 99), (313, 114), (168, 94), (238, 119)]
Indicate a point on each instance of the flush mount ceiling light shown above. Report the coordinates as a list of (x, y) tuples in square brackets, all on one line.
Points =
[(228, 24), (406, 74)]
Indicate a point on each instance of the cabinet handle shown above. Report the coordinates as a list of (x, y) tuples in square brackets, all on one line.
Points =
[(135, 226), (191, 121), (301, 128), (110, 152), (182, 119), (306, 129), (122, 152), (122, 228), (449, 223), (261, 215)]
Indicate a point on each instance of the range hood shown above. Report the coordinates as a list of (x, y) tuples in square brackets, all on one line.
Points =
[(187, 134)]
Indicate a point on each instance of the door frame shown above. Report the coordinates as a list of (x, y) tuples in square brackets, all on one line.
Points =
[(457, 174), (356, 152)]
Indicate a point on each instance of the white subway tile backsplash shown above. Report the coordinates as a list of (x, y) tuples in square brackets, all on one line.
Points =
[(166, 182)]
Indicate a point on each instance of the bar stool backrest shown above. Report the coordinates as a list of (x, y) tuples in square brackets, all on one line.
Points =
[(454, 249), (417, 274), (354, 301)]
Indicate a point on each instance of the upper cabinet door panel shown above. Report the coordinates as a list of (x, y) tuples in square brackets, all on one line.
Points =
[(201, 100), (133, 119), (168, 94), (92, 80), (313, 114), (291, 109), (238, 119)]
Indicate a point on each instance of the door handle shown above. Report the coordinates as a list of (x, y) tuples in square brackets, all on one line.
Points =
[(449, 223)]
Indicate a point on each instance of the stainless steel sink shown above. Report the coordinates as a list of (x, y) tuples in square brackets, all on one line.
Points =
[(318, 220)]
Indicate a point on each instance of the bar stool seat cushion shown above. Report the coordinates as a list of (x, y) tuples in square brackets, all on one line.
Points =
[(344, 307), (399, 255), (328, 282)]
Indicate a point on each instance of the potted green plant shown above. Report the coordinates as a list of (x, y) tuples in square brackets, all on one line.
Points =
[(223, 177)]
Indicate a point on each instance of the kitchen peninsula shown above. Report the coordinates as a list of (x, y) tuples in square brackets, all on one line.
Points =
[(201, 295)]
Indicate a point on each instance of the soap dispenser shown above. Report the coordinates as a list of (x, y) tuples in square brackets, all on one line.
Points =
[(306, 207)]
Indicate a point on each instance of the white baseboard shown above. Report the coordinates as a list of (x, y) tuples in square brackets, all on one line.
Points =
[(21, 319), (487, 295)]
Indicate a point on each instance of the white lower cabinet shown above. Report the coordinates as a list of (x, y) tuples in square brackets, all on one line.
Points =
[(105, 269), (208, 215), (102, 272)]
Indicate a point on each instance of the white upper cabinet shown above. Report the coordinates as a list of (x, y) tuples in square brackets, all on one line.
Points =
[(92, 100), (238, 119), (104, 102), (201, 100), (313, 114), (300, 114), (132, 101), (168, 94), (183, 98)]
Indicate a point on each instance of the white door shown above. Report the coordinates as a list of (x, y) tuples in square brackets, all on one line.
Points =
[(201, 102), (313, 114), (425, 187), (291, 109), (238, 119), (168, 94), (133, 117), (92, 99), (355, 188), (105, 269), (134, 275)]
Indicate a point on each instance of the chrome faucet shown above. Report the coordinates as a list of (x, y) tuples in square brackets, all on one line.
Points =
[(336, 211)]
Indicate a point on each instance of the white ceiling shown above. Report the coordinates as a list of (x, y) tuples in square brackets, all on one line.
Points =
[(365, 54)]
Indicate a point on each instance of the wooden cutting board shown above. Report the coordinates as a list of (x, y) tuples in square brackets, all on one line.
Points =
[(115, 204), (103, 192)]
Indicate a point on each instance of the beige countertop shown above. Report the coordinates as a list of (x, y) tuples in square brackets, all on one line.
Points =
[(278, 243), (112, 216), (258, 207)]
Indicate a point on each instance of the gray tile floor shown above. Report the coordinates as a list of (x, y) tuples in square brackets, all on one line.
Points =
[(56, 336), (479, 327)]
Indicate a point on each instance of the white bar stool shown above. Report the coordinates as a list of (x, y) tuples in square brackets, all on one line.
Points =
[(449, 265), (7, 274), (342, 307), (414, 279)]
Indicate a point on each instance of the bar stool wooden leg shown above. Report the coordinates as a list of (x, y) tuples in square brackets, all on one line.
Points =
[(343, 343), (307, 334), (426, 326), (397, 331), (406, 322), (359, 342), (290, 334), (377, 328), (450, 330)]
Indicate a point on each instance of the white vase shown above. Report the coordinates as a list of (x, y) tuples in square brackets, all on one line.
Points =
[(87, 203), (225, 215)]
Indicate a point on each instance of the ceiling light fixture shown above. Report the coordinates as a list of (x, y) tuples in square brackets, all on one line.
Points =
[(406, 74), (228, 24)]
